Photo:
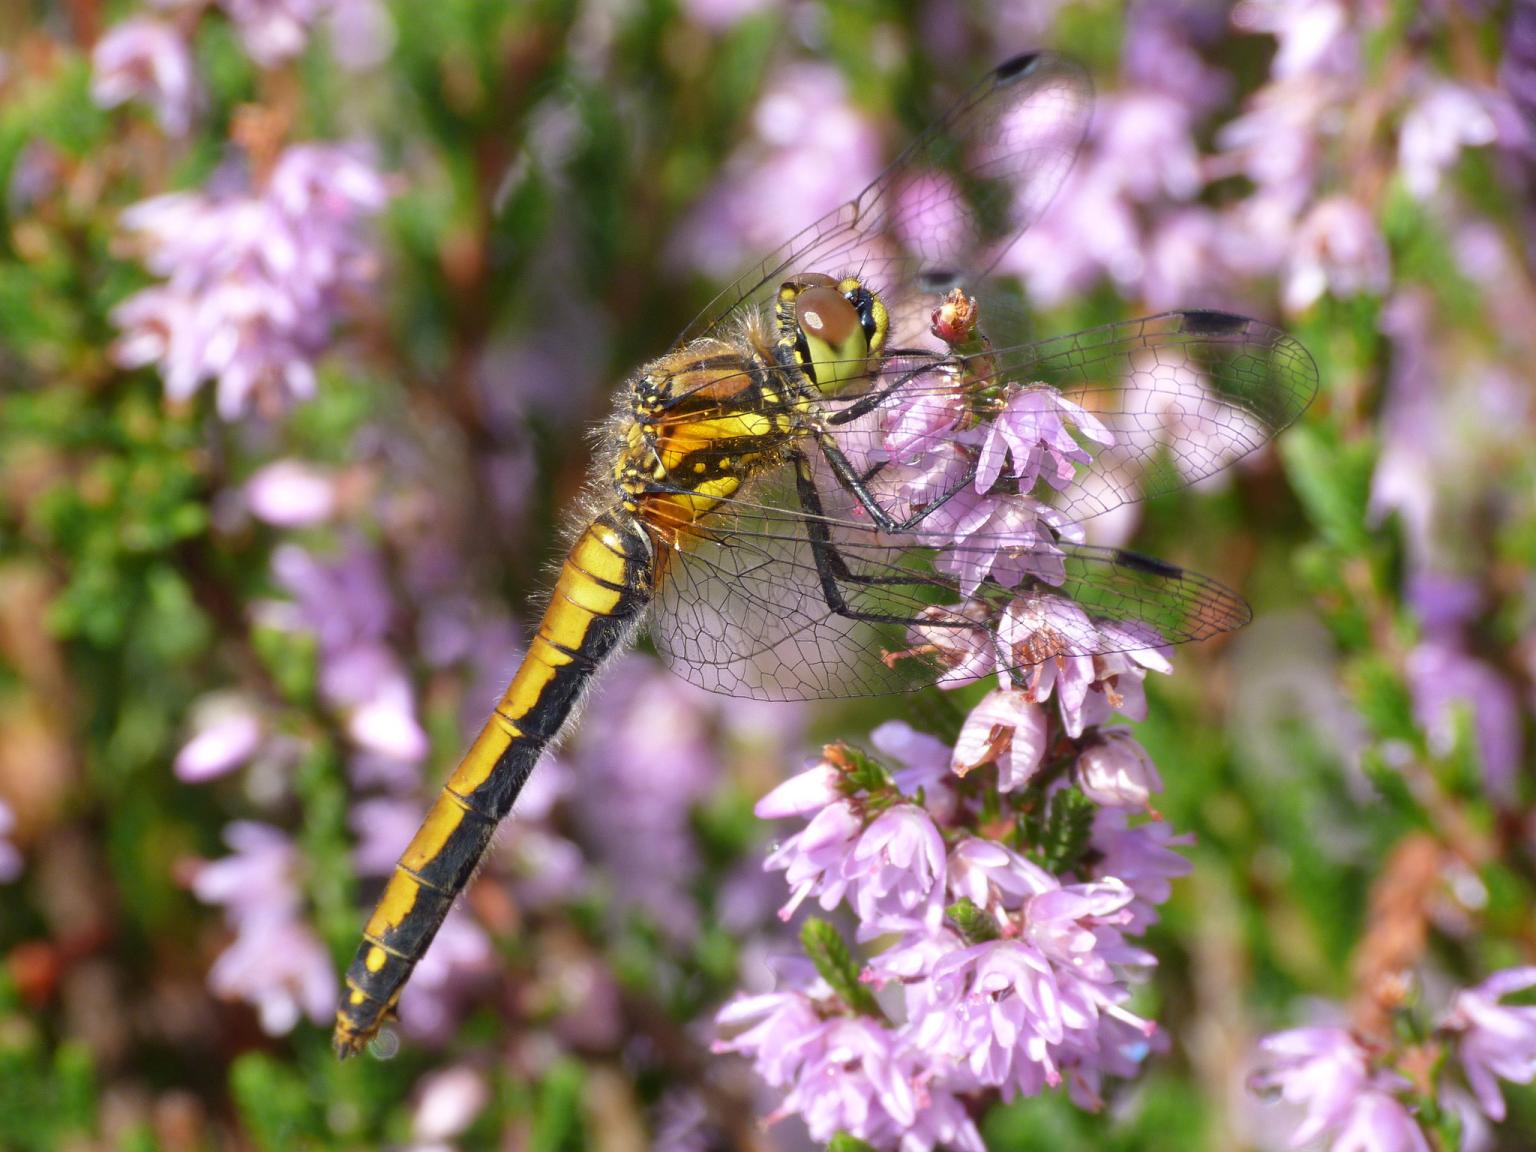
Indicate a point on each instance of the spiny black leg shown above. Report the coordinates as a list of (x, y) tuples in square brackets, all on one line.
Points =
[(831, 567)]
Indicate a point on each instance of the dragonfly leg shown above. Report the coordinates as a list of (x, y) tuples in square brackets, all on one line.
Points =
[(858, 487), (832, 568)]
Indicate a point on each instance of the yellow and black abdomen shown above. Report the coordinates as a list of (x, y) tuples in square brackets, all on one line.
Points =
[(605, 583)]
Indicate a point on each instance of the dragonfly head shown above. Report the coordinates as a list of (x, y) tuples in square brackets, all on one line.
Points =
[(832, 328)]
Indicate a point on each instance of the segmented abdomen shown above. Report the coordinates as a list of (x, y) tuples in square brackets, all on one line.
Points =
[(605, 583)]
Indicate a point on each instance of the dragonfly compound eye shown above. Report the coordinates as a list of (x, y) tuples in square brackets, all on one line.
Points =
[(834, 342)]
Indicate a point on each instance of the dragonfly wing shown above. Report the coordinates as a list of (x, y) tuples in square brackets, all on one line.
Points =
[(1176, 397), (1183, 395), (750, 609), (956, 198)]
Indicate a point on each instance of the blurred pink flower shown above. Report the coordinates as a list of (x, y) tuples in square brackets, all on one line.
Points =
[(253, 283), (227, 730), (1328, 1073), (292, 494), (1317, 37), (145, 59), (275, 962), (1443, 678), (811, 150), (10, 856), (1337, 249), (1443, 120), (1494, 1041), (720, 15), (447, 1102)]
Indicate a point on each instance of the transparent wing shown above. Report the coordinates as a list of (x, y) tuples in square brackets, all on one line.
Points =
[(959, 195), (767, 605)]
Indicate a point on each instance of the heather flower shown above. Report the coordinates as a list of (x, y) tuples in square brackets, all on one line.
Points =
[(227, 730), (292, 494), (273, 32), (1437, 126), (1328, 1073), (1000, 538), (810, 148), (720, 15), (809, 791), (10, 856), (1337, 249), (274, 962), (1443, 679), (1116, 772), (896, 871), (1140, 856), (346, 604), (254, 283), (653, 760), (145, 59), (447, 1103), (1032, 430), (1494, 1041), (814, 859), (1007, 728)]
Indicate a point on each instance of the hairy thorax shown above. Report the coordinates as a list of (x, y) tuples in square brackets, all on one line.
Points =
[(699, 423)]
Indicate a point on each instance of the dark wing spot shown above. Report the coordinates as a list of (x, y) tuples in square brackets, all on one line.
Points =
[(1211, 323), (1020, 65), (938, 280), (1148, 564)]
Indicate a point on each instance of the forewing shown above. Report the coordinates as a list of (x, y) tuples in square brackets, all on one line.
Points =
[(956, 199), (1183, 394)]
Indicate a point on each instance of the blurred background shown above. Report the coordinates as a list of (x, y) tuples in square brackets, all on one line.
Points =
[(305, 308)]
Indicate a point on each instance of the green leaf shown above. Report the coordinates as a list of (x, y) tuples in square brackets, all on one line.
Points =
[(827, 951), (974, 924)]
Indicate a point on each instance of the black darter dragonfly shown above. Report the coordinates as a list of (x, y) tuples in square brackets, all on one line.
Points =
[(834, 485)]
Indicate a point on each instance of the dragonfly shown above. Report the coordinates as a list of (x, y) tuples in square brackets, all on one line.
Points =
[(835, 484)]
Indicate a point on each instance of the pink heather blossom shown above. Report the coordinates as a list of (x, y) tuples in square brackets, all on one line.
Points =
[(272, 32), (227, 730), (1494, 1041), (1032, 429), (292, 494), (921, 423), (1337, 249), (720, 15), (146, 59), (814, 859), (254, 283), (931, 220), (1141, 856), (1004, 539), (1328, 1073), (810, 150), (923, 761), (275, 961), (1317, 37), (347, 605), (896, 871), (809, 791), (460, 957), (1007, 727), (447, 1103), (1443, 679), (1116, 771), (10, 856), (1437, 126)]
